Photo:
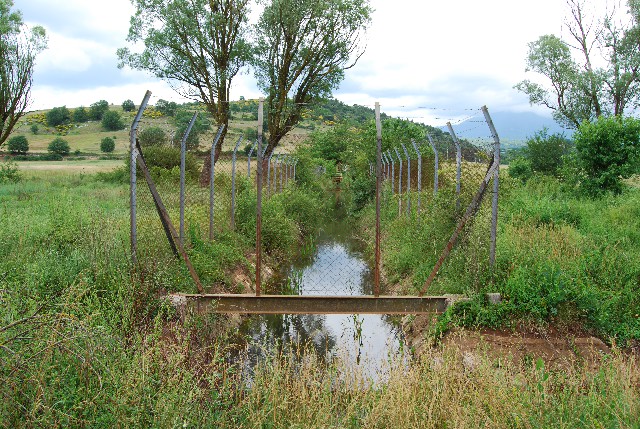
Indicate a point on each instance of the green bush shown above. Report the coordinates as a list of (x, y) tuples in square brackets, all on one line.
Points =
[(107, 145), (9, 172), (112, 121), (167, 108), (98, 109), (18, 145), (608, 151), (168, 158), (152, 136), (545, 152), (128, 105), (34, 129), (520, 168), (58, 116), (80, 115), (59, 146)]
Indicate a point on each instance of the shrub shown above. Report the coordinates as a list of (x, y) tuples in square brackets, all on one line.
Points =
[(98, 109), (520, 168), (168, 158), (545, 152), (152, 136), (18, 145), (34, 129), (107, 145), (9, 172), (608, 151), (58, 116), (111, 121), (128, 105), (80, 115), (59, 146)]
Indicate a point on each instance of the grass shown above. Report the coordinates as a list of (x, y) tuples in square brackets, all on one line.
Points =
[(85, 340)]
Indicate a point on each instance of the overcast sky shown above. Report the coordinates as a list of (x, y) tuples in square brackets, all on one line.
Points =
[(425, 60)]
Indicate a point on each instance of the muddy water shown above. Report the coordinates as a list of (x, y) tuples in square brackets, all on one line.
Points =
[(337, 266)]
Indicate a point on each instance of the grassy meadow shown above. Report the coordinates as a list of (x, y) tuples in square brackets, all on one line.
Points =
[(86, 339)]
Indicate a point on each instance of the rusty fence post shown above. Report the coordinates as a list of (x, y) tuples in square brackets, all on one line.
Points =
[(133, 194)]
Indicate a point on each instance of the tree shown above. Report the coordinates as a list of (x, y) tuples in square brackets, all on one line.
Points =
[(128, 106), (198, 46), (80, 115), (182, 119), (59, 146), (545, 152), (608, 150), (18, 145), (111, 121), (58, 116), (303, 48), (107, 145), (167, 108), (19, 47), (578, 90), (98, 109)]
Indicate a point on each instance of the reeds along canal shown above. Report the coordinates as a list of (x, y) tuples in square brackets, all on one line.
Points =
[(336, 266)]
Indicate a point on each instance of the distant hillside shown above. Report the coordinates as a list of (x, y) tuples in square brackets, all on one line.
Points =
[(514, 128)]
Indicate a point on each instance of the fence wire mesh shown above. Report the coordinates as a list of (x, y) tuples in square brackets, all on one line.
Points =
[(426, 187)]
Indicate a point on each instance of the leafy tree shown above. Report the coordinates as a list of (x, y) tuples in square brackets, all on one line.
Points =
[(128, 105), (198, 46), (303, 48), (59, 146), (608, 150), (19, 47), (80, 115), (98, 109), (167, 108), (579, 90), (182, 120), (545, 152), (112, 121), (58, 116), (152, 136), (34, 129), (107, 145), (18, 145)]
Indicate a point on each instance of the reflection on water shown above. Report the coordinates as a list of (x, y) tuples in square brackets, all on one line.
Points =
[(336, 267)]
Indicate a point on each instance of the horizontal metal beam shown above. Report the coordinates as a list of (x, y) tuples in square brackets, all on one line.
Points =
[(309, 304)]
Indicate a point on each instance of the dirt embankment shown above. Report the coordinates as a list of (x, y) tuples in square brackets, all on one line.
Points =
[(557, 348)]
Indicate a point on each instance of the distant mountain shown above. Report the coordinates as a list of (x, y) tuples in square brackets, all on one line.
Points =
[(514, 127)]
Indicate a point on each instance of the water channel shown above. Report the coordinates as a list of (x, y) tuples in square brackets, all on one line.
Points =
[(336, 267)]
